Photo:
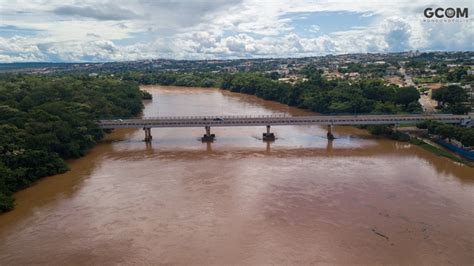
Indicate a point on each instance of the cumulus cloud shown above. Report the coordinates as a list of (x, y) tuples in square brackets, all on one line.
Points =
[(20, 50), (106, 30), (398, 34)]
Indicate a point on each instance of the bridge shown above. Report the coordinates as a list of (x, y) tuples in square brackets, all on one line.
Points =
[(276, 120)]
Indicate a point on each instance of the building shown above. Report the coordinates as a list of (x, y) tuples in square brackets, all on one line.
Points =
[(352, 75), (391, 71), (333, 67), (470, 94)]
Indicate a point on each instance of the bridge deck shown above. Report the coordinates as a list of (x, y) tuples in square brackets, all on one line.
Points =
[(232, 121)]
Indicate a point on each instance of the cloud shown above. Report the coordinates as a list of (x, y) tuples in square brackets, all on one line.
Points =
[(100, 12), (93, 35), (314, 28), (398, 34), (106, 30), (75, 51), (239, 44), (17, 49)]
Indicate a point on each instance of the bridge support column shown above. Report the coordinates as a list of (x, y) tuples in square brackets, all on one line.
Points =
[(329, 134), (148, 136), (268, 136), (208, 137)]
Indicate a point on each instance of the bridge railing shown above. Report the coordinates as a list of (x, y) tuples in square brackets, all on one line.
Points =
[(214, 117), (276, 116), (280, 117), (223, 116)]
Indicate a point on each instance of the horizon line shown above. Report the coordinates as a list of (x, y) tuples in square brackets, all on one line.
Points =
[(232, 59)]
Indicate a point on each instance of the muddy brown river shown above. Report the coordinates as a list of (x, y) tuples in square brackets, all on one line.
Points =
[(300, 200)]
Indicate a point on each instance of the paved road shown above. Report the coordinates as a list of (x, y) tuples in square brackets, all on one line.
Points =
[(427, 104), (408, 79)]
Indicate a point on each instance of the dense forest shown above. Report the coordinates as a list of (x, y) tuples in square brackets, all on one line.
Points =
[(187, 79), (323, 96), (47, 119)]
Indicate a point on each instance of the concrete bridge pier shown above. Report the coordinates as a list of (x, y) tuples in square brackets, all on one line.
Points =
[(208, 137), (268, 148), (148, 136), (329, 146), (329, 134), (209, 146), (268, 136)]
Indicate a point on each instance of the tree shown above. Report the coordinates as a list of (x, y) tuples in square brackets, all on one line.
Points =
[(385, 108), (458, 108), (452, 98), (274, 75), (450, 94), (467, 137), (457, 74), (6, 198), (407, 95), (462, 134), (445, 131), (146, 95)]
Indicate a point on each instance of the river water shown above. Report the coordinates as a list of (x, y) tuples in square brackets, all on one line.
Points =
[(300, 200)]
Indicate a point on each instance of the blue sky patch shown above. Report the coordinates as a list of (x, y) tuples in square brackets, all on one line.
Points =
[(320, 23)]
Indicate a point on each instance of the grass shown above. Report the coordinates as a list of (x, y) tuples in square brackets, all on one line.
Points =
[(437, 151), (407, 125), (427, 79)]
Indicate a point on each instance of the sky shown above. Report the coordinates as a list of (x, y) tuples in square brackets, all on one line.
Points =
[(125, 30)]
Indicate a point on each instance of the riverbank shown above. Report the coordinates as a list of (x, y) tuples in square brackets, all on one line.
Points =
[(417, 137), (440, 151)]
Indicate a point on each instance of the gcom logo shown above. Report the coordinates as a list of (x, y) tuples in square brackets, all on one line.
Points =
[(448, 12)]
